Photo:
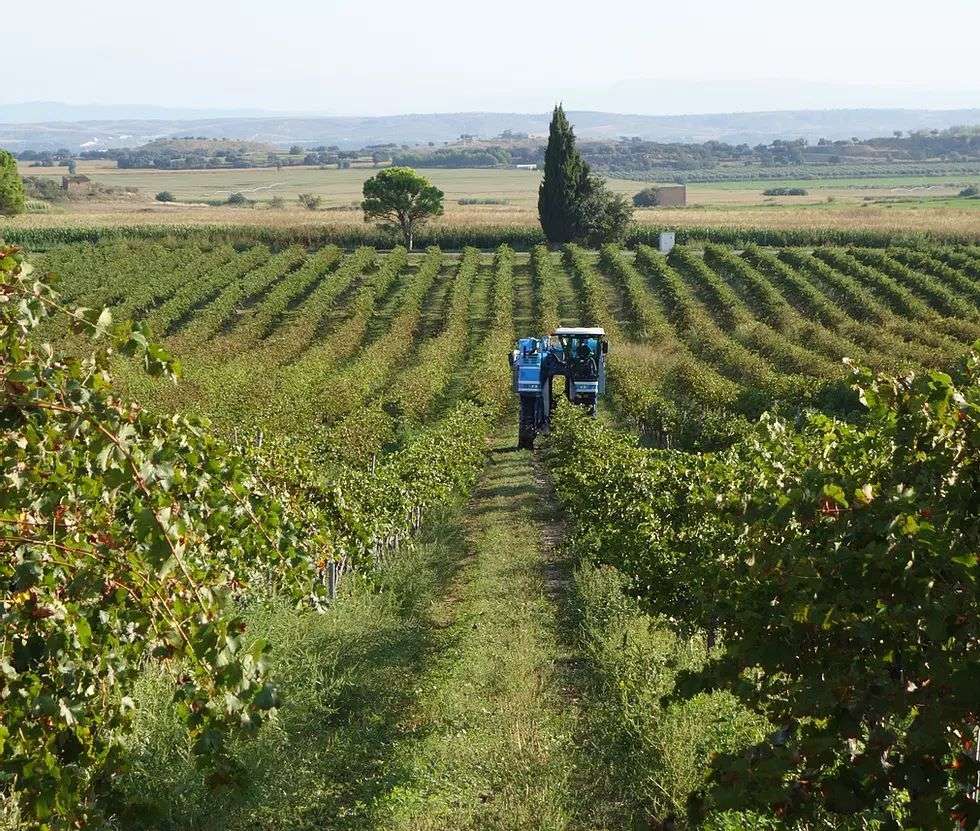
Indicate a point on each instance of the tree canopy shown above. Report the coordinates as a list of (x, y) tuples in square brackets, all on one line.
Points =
[(400, 197), (564, 183), (600, 215), (573, 204)]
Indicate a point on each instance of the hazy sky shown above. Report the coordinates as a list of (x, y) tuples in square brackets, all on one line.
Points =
[(382, 57)]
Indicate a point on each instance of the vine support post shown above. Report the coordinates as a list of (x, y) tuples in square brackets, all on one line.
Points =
[(976, 756)]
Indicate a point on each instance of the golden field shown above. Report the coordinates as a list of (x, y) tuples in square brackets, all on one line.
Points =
[(893, 205)]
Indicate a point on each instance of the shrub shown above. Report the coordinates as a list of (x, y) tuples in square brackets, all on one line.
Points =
[(43, 187), (970, 190), (88, 599), (237, 199), (601, 216), (310, 201), (165, 196), (837, 560), (646, 198), (277, 203), (482, 200), (451, 237), (784, 192)]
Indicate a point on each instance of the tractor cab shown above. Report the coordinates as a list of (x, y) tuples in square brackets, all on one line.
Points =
[(582, 352)]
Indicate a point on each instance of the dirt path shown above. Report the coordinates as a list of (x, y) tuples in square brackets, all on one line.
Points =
[(491, 742)]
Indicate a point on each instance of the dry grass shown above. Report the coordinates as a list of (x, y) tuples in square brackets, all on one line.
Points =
[(336, 187), (899, 218), (728, 205)]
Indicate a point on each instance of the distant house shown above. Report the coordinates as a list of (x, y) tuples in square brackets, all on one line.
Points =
[(75, 184), (671, 196), (526, 166)]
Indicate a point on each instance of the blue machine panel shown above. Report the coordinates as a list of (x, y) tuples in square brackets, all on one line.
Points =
[(529, 378)]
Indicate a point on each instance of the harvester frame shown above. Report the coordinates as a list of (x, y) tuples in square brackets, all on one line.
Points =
[(575, 353)]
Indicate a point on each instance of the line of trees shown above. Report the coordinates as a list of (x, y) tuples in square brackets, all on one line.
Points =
[(624, 155), (494, 156)]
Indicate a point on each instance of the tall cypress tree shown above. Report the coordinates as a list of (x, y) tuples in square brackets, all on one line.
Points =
[(564, 184), (11, 186)]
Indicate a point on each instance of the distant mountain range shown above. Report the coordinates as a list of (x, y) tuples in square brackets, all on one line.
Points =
[(39, 112), (76, 128)]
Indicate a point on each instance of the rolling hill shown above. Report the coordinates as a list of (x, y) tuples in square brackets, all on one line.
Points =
[(358, 131)]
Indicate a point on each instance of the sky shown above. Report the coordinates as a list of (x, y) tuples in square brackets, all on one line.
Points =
[(383, 57)]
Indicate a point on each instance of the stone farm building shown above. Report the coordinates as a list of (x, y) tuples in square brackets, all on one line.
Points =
[(75, 184), (671, 196)]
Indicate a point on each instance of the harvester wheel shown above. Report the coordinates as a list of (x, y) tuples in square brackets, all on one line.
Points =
[(526, 426)]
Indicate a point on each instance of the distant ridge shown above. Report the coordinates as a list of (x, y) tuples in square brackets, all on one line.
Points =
[(34, 112), (358, 131)]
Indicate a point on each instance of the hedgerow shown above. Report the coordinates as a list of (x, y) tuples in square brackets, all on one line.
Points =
[(454, 238)]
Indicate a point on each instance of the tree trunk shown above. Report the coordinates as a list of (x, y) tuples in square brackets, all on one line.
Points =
[(407, 233)]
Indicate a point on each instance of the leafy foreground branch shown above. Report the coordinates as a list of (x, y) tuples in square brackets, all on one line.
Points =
[(837, 566), (127, 536)]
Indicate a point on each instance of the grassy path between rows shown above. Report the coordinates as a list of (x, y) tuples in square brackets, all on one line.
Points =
[(490, 743), (446, 693)]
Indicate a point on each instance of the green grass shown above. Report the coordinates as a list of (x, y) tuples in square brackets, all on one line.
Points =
[(348, 680), (650, 756), (961, 203), (436, 698), (492, 745), (877, 201), (337, 187)]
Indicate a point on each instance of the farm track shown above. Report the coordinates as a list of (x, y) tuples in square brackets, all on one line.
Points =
[(568, 308), (523, 298), (490, 743)]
